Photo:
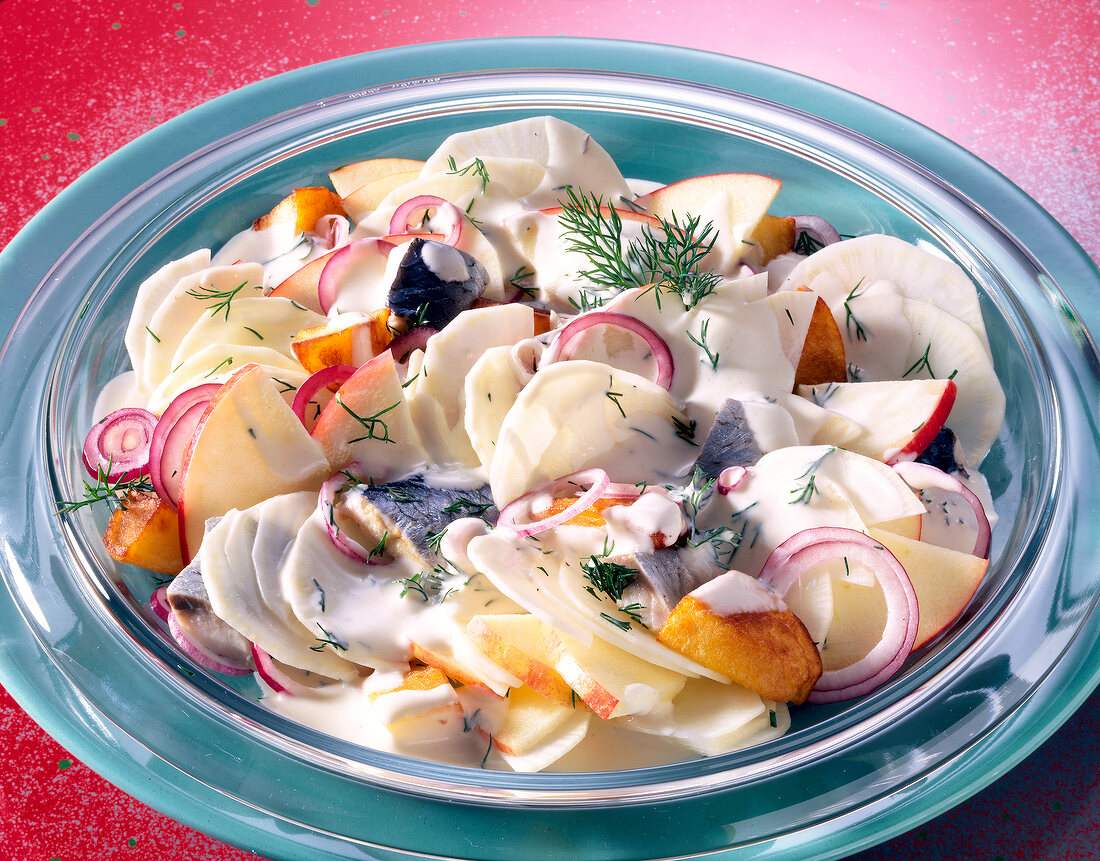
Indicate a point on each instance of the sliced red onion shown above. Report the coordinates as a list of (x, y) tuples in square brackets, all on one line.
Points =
[(333, 375), (817, 227), (158, 603), (923, 475), (597, 482), (415, 339), (341, 261), (445, 212), (332, 230), (564, 345), (810, 548), (730, 478), (197, 653), (119, 445), (326, 504), (174, 430), (268, 670)]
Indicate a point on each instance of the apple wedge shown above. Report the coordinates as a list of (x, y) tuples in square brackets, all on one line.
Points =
[(773, 235), (368, 421), (536, 733), (945, 580), (738, 627), (611, 681), (424, 708), (897, 418), (733, 202), (301, 285), (248, 446), (343, 343), (353, 176), (522, 645), (302, 207), (462, 661), (144, 531)]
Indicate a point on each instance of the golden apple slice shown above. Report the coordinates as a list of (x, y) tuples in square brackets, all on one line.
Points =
[(302, 207), (144, 531), (536, 732), (248, 446), (339, 343), (423, 708), (773, 235), (738, 627)]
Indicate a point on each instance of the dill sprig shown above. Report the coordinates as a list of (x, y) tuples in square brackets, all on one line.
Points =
[(375, 426), (701, 342), (666, 259), (850, 318), (477, 166), (922, 364), (806, 243), (222, 299), (610, 578), (113, 493), (804, 492)]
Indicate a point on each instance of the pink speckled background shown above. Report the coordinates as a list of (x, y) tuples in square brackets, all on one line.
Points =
[(1017, 84)]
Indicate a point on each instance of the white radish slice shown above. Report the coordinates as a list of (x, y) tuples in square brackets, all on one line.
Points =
[(878, 262), (802, 554), (923, 476)]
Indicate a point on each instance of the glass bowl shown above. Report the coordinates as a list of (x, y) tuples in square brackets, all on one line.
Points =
[(87, 658)]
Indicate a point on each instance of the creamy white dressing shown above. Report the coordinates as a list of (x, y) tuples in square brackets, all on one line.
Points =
[(480, 405)]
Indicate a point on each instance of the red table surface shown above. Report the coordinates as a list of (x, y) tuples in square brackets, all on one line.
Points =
[(1017, 84)]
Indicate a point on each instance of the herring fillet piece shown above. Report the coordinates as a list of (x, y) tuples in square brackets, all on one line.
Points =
[(663, 578), (190, 602)]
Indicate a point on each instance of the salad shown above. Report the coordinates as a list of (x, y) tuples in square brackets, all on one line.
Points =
[(500, 458)]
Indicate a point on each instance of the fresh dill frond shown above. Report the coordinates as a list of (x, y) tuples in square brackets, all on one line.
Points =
[(113, 493), (477, 166)]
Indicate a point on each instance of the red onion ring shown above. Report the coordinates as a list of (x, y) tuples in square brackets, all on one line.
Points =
[(817, 227), (333, 375), (563, 346), (809, 548), (197, 653), (924, 475), (452, 215), (119, 445), (730, 478), (170, 438), (158, 603), (597, 481), (341, 261), (273, 677), (326, 504), (332, 230), (415, 339)]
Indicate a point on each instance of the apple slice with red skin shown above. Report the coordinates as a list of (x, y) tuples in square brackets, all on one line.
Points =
[(733, 202), (368, 421), (353, 176), (900, 418), (248, 446), (301, 284), (522, 645), (944, 580)]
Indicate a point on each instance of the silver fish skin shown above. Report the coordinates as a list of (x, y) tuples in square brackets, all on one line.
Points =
[(412, 514), (190, 602), (663, 578), (730, 441)]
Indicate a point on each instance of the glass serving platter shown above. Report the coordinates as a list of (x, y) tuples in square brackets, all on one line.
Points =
[(83, 654)]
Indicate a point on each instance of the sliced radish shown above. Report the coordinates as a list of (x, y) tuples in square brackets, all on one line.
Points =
[(268, 670), (513, 515), (333, 375), (923, 476), (341, 264), (807, 550), (217, 663), (419, 210), (566, 343), (118, 447)]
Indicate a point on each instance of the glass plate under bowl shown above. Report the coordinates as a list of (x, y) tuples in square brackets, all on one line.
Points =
[(85, 656)]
